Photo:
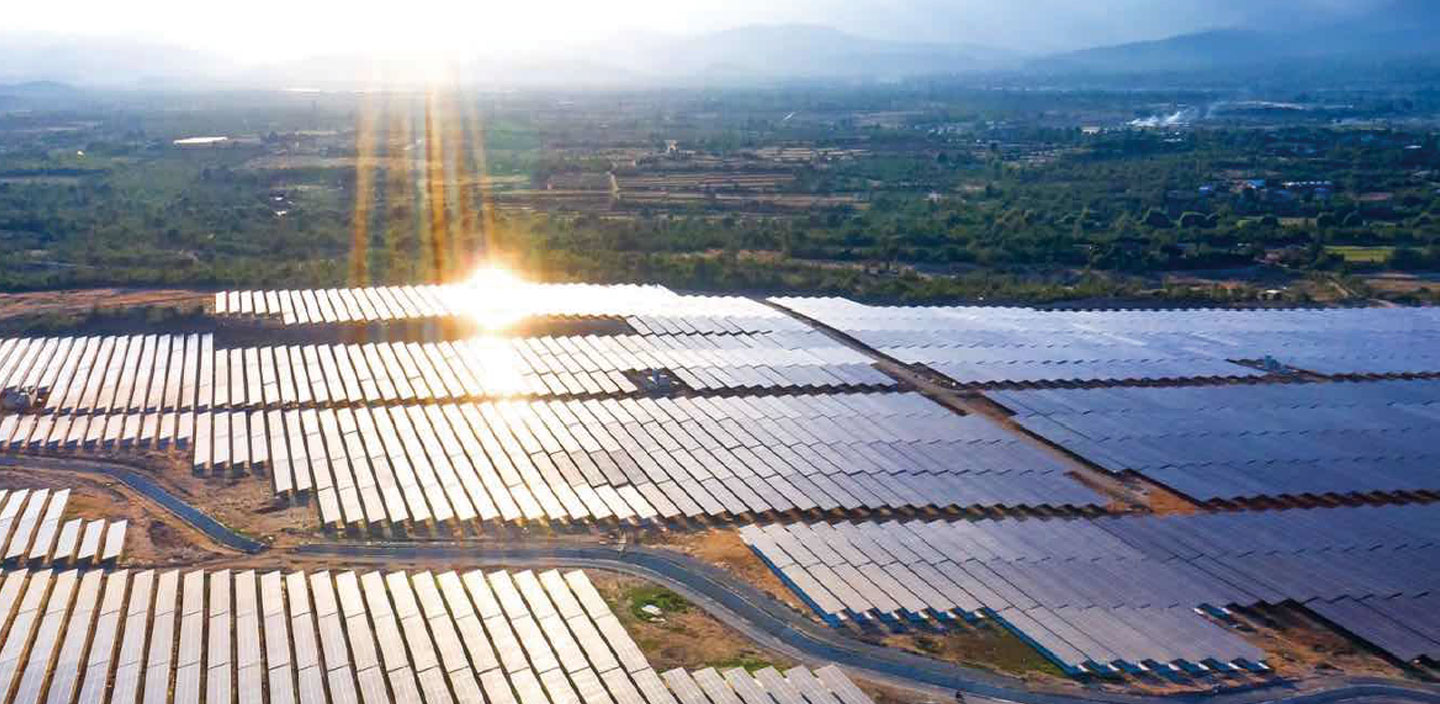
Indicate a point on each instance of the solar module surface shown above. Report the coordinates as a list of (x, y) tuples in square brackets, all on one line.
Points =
[(653, 459), (1229, 442), (204, 640), (648, 309), (1119, 592), (988, 345), (499, 367), (34, 531)]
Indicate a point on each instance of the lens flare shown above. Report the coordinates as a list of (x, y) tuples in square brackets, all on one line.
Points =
[(496, 298), (493, 276)]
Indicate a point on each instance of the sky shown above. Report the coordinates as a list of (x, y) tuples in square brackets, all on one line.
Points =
[(258, 32)]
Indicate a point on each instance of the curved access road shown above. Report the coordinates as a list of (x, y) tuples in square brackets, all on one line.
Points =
[(149, 488), (775, 625), (744, 607)]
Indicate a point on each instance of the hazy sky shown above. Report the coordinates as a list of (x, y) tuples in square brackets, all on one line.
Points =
[(261, 31)]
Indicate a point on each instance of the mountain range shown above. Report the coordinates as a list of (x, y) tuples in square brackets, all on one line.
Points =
[(1393, 29), (1399, 30)]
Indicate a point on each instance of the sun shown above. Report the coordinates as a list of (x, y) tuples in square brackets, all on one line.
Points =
[(494, 277), (495, 298)]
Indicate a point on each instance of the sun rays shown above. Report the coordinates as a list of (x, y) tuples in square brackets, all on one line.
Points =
[(421, 208)]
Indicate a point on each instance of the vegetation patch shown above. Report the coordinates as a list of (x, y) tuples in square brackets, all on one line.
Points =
[(1362, 255), (751, 662), (984, 196), (983, 645), (668, 602)]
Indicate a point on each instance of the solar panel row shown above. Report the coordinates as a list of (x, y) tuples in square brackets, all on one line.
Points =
[(34, 531), (1318, 554), (986, 345), (637, 459), (1044, 402), (1224, 443), (1369, 570), (1380, 360), (1406, 627), (649, 308), (1084, 614), (1118, 592), (107, 374), (345, 638), (965, 368), (488, 367), (88, 432), (766, 686), (164, 374)]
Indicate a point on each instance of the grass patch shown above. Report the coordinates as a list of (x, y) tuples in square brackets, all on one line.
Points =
[(638, 598), (983, 645), (749, 661), (686, 636), (1362, 255)]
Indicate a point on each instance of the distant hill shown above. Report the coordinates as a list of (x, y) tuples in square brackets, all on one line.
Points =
[(1376, 32), (103, 62), (760, 52), (802, 51), (1197, 52), (744, 54), (33, 94), (1402, 29)]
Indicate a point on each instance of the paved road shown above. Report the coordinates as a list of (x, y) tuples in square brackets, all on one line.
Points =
[(752, 612)]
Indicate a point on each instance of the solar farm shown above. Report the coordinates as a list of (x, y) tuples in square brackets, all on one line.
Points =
[(38, 531), (1126, 593), (1136, 498), (371, 637), (1239, 443), (1016, 346)]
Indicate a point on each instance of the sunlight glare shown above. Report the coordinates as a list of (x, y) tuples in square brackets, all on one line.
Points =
[(497, 298)]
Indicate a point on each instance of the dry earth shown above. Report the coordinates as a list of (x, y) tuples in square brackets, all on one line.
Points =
[(724, 549), (15, 305)]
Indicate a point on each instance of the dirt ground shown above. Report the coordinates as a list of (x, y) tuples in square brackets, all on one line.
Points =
[(1162, 501), (16, 305), (689, 638), (1397, 283), (1120, 494), (154, 538), (245, 503), (983, 645), (1299, 646), (724, 549)]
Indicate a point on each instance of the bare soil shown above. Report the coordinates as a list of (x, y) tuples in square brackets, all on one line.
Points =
[(245, 503), (983, 645), (1299, 646), (724, 549), (690, 638), (75, 301), (1395, 283)]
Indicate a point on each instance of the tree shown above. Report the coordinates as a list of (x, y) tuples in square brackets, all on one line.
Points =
[(1158, 219), (1192, 219)]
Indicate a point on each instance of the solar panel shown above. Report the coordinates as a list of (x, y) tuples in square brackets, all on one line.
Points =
[(1352, 441)]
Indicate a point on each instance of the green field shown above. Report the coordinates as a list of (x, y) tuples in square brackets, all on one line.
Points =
[(1362, 255)]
